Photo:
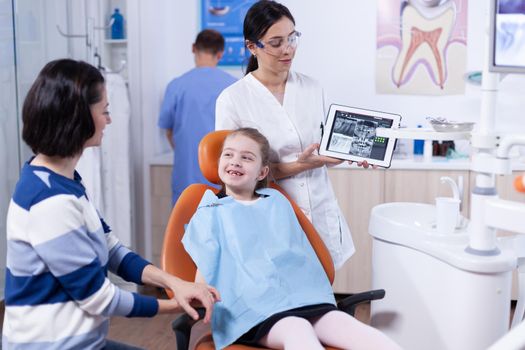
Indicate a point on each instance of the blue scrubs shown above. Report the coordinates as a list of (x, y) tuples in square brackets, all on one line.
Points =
[(259, 259), (189, 110)]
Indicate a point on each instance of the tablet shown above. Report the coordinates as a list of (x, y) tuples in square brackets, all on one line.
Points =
[(350, 133)]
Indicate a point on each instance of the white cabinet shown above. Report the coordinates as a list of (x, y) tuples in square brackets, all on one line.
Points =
[(160, 199), (423, 186), (358, 191), (505, 186)]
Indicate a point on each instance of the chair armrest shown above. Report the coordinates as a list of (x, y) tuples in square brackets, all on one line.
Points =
[(350, 303), (182, 328)]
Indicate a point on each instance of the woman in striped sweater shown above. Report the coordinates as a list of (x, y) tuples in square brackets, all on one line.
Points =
[(59, 248)]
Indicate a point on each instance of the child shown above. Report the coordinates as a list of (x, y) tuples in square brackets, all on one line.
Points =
[(248, 243)]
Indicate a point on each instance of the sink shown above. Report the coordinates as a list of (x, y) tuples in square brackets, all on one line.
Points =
[(413, 225), (407, 222)]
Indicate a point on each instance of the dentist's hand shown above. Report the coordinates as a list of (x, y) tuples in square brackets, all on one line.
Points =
[(307, 160), (311, 159), (364, 164)]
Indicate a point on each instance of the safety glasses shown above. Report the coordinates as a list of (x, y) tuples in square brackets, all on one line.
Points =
[(277, 46)]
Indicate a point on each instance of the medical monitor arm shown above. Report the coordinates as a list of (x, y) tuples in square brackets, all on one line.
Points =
[(485, 164)]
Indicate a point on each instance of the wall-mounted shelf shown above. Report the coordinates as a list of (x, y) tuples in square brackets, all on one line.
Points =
[(116, 41), (114, 52)]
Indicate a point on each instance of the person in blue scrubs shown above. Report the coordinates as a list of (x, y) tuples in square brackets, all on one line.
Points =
[(188, 109)]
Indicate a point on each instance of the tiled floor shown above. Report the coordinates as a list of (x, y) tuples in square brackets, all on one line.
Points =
[(155, 333)]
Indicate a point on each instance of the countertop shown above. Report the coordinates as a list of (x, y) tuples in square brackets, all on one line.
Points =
[(416, 163)]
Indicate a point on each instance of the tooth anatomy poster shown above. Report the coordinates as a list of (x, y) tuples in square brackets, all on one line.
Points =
[(421, 47)]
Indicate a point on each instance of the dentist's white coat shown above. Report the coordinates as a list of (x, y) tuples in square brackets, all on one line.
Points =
[(290, 128)]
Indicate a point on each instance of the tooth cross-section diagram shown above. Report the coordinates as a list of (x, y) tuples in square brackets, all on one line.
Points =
[(424, 41)]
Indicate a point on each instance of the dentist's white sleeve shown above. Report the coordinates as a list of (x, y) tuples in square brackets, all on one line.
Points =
[(226, 117)]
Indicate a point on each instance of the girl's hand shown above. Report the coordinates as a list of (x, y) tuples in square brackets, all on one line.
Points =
[(187, 293), (364, 164), (311, 159)]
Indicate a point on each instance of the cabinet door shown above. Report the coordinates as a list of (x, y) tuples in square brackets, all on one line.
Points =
[(160, 197), (424, 186), (357, 191), (505, 187)]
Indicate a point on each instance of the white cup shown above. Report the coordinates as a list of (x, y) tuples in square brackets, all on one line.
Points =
[(447, 211)]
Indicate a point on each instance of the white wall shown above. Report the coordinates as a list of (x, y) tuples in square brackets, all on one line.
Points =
[(337, 48), (9, 161), (344, 40), (168, 30), (160, 36), (37, 42)]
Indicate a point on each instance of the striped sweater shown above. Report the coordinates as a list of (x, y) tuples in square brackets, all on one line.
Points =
[(57, 293)]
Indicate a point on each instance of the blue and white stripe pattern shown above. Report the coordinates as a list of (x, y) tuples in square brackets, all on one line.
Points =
[(57, 293)]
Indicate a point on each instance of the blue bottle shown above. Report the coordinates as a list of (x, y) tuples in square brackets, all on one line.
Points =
[(117, 28), (419, 145)]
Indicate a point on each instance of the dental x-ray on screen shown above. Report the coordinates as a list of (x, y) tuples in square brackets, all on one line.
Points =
[(350, 134), (507, 36)]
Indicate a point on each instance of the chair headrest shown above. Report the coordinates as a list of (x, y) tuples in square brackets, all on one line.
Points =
[(209, 152)]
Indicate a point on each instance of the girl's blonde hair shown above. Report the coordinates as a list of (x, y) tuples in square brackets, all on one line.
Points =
[(264, 147)]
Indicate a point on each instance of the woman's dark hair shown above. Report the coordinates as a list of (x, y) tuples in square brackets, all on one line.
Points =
[(56, 113), (264, 147), (261, 16)]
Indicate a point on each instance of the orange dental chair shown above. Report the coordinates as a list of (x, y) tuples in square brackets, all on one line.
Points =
[(176, 261)]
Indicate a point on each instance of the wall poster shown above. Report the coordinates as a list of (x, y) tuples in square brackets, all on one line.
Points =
[(227, 17), (421, 47)]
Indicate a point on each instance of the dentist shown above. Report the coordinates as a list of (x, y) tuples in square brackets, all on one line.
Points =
[(288, 108)]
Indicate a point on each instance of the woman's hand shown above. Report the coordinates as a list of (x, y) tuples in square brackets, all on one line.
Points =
[(364, 164), (311, 159), (187, 294)]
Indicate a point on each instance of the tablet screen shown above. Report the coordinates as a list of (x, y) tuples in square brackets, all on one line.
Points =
[(350, 134), (355, 134)]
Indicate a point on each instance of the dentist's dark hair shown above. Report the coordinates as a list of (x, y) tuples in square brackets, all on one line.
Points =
[(261, 16), (264, 147)]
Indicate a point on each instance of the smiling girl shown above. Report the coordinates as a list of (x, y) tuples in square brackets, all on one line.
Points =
[(248, 242)]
